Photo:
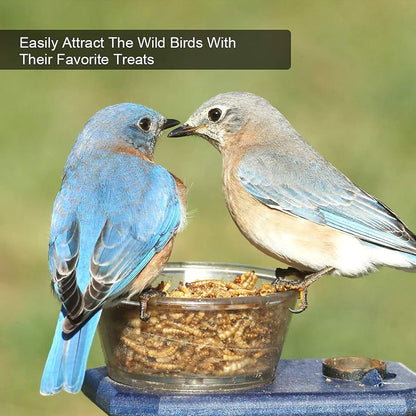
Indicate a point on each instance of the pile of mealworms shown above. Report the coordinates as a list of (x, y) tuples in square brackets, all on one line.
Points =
[(218, 342)]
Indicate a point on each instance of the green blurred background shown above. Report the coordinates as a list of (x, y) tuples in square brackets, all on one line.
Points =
[(351, 93)]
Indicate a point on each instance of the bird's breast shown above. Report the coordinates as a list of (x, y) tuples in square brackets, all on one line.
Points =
[(152, 270), (182, 195)]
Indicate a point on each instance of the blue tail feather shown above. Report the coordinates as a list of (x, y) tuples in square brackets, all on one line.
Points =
[(67, 359)]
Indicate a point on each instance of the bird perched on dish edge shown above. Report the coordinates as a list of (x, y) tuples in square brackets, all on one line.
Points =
[(113, 225), (290, 202)]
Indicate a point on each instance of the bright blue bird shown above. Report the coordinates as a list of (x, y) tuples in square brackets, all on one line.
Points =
[(290, 202), (113, 225)]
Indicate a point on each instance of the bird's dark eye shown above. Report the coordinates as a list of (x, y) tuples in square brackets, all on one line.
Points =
[(145, 123), (214, 114)]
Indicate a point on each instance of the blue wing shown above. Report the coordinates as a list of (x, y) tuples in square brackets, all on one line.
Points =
[(123, 249), (115, 227), (316, 191), (63, 260)]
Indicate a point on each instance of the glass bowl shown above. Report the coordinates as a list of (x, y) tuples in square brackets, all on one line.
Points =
[(198, 344)]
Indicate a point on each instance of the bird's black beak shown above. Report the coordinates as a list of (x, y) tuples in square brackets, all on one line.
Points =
[(182, 131), (170, 122)]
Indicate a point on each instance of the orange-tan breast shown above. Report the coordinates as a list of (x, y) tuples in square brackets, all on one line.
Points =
[(182, 194), (152, 270)]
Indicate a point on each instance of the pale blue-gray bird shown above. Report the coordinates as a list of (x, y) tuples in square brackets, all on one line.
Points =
[(290, 202)]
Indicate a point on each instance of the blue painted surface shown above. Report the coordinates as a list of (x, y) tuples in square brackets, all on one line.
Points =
[(299, 389)]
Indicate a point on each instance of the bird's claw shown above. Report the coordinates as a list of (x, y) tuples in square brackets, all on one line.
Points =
[(301, 286), (144, 298), (303, 301)]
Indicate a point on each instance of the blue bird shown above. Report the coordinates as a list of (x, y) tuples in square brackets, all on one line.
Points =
[(113, 225), (290, 202)]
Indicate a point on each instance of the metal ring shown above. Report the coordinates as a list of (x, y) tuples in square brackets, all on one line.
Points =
[(352, 368)]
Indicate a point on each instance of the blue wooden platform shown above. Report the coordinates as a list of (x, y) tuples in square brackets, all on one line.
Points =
[(299, 389)]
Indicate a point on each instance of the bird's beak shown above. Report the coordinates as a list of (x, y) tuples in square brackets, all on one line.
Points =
[(184, 130), (170, 122)]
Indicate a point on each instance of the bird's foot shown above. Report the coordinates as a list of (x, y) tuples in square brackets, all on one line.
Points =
[(144, 298), (301, 286)]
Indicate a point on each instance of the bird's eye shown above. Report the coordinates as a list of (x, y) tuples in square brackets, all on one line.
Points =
[(214, 114), (145, 123)]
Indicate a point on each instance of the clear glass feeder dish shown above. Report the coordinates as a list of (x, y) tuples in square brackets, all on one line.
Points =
[(198, 344)]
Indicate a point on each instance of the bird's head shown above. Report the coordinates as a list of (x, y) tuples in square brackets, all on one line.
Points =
[(125, 125), (225, 118)]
